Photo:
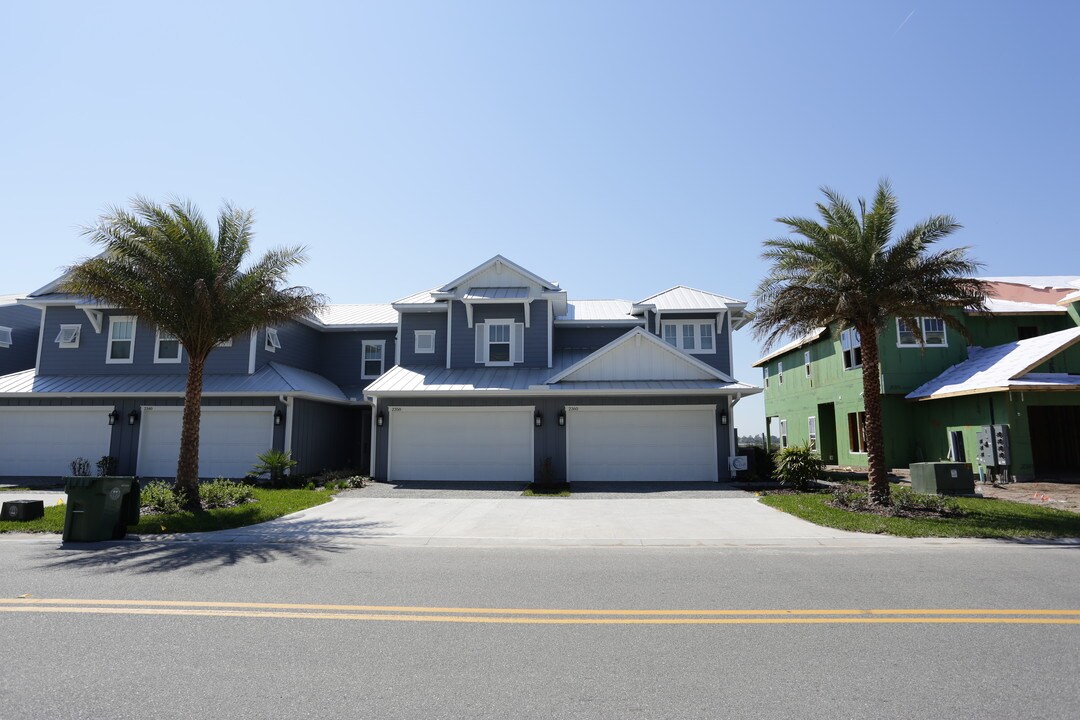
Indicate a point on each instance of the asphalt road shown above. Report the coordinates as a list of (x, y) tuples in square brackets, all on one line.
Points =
[(412, 633)]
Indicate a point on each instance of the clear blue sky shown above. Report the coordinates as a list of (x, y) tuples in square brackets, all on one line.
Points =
[(618, 147)]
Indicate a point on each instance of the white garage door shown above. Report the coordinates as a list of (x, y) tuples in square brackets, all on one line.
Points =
[(229, 440), (641, 443), (44, 441), (461, 444)]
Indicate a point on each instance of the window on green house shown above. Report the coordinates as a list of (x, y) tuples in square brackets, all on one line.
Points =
[(780, 371), (851, 344), (811, 427), (856, 423), (806, 362), (933, 332), (765, 374), (783, 433)]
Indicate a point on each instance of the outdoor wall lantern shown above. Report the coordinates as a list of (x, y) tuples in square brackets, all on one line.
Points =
[(380, 419), (133, 417), (723, 417), (113, 417), (278, 417), (538, 419), (562, 418)]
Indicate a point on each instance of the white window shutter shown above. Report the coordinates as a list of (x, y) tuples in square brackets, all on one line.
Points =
[(481, 337), (518, 348)]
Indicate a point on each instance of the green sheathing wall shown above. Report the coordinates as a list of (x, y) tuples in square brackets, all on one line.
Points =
[(905, 368), (990, 330), (1066, 361)]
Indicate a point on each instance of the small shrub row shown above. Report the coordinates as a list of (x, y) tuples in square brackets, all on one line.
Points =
[(160, 498), (904, 503)]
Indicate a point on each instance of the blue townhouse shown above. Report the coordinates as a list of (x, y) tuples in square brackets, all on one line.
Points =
[(495, 376), (19, 327)]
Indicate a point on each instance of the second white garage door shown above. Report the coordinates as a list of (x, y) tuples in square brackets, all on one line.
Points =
[(230, 438), (667, 443), (461, 444)]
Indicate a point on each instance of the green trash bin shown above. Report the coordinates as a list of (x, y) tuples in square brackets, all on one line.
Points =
[(99, 508)]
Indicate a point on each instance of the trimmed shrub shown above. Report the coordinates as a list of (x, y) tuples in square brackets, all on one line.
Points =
[(158, 498), (223, 493), (274, 463)]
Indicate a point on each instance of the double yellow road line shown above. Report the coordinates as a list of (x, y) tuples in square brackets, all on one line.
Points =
[(535, 616)]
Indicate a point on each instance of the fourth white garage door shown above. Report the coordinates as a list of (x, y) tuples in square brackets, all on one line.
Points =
[(230, 438), (664, 443), (461, 444)]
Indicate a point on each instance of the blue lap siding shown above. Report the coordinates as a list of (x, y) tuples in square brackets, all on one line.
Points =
[(25, 324)]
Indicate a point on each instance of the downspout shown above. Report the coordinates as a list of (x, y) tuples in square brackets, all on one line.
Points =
[(40, 341), (374, 435), (732, 448)]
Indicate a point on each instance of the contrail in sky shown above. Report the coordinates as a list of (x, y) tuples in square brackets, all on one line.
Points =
[(905, 22)]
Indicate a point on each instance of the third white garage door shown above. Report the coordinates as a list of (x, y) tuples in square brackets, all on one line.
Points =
[(461, 444), (665, 443)]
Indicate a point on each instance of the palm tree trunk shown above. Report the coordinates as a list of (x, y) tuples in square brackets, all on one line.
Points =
[(187, 466), (877, 480)]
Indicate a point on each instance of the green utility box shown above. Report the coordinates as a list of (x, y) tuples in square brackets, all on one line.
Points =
[(942, 478), (100, 508)]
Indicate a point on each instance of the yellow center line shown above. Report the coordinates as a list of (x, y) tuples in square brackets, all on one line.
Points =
[(523, 611), (550, 616), (273, 614)]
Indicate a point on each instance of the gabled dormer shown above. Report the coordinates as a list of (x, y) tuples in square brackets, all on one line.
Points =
[(695, 321), (496, 315)]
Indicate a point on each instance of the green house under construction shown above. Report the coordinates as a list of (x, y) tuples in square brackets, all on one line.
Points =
[(1007, 400)]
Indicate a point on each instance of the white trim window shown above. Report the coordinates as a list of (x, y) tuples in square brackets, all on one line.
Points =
[(811, 432), (273, 342), (783, 433), (167, 348), (121, 347), (5, 337), (500, 342), (374, 354), (68, 337), (806, 361), (696, 337), (856, 422), (225, 343), (933, 333), (780, 370), (424, 342), (851, 345), (765, 374)]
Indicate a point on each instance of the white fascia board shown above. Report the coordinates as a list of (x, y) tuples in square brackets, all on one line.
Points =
[(649, 337), (269, 393), (601, 323), (420, 307), (355, 328), (550, 392)]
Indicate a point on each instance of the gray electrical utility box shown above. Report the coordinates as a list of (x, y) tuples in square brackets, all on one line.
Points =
[(993, 441)]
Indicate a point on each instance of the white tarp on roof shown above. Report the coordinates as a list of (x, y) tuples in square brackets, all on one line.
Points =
[(1007, 307), (1001, 367), (1039, 281)]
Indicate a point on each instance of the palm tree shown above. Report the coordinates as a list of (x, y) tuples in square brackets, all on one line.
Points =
[(849, 271), (167, 265)]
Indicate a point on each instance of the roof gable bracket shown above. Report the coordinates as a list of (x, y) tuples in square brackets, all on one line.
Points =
[(468, 314), (95, 317)]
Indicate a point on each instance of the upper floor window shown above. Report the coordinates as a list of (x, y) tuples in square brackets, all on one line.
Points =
[(933, 333), (5, 337), (273, 343), (851, 344), (373, 358), (806, 361), (121, 348), (780, 371), (225, 343), (167, 348), (500, 342), (424, 342), (765, 374), (68, 337), (693, 336)]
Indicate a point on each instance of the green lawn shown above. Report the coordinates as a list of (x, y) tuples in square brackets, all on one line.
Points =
[(270, 504), (983, 518)]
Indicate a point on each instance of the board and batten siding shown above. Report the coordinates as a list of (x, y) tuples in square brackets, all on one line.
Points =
[(299, 347), (463, 341), (587, 339), (330, 437), (25, 323), (721, 359), (89, 357), (124, 445), (342, 354), (549, 440), (410, 323)]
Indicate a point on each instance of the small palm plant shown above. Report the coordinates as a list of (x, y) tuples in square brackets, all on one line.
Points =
[(798, 466), (274, 463)]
